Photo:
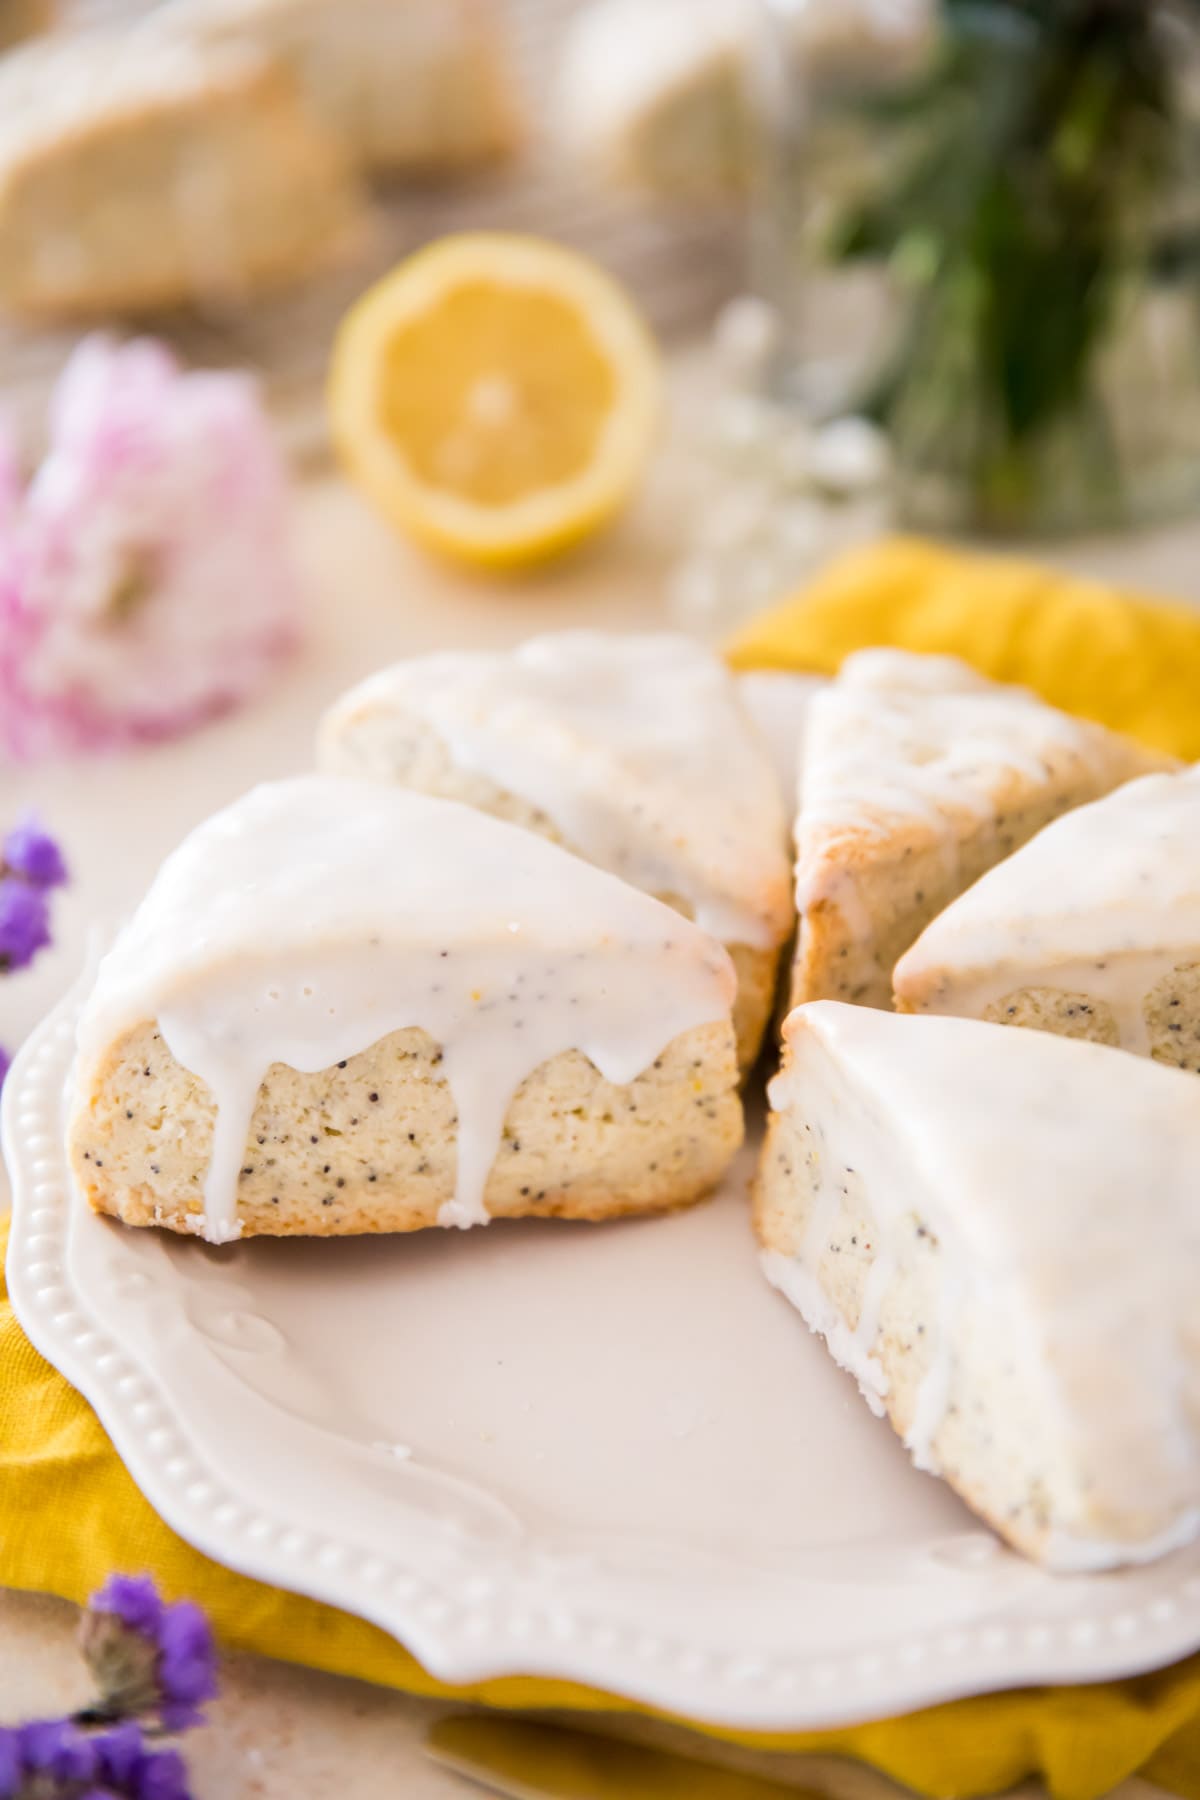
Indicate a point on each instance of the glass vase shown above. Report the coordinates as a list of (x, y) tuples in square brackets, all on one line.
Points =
[(978, 223)]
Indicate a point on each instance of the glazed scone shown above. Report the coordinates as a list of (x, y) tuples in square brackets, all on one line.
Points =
[(140, 171), (406, 85), (919, 775), (778, 704), (996, 1233), (632, 751), (343, 1007), (1091, 930)]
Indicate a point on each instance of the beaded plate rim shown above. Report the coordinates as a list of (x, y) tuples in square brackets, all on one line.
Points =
[(446, 1621)]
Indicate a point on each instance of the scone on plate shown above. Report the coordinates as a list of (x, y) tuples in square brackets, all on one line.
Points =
[(344, 1008), (407, 85), (996, 1233), (633, 751), (139, 170), (1091, 930), (919, 775), (778, 702)]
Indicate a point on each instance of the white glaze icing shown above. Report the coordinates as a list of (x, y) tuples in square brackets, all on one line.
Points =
[(904, 739), (635, 747), (1103, 902), (315, 916), (798, 1284), (778, 704), (1059, 1182)]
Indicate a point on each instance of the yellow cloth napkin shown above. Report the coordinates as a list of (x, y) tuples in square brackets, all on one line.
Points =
[(1130, 661), (69, 1513)]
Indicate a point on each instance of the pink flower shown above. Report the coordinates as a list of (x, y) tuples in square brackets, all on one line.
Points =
[(145, 577)]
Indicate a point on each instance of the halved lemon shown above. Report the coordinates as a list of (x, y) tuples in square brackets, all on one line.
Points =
[(496, 396)]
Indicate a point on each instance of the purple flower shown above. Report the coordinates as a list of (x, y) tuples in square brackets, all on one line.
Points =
[(186, 1664), (24, 923), (149, 1657), (134, 1600), (30, 851), (126, 1765), (58, 1749), (161, 1775), (10, 1761), (119, 1754)]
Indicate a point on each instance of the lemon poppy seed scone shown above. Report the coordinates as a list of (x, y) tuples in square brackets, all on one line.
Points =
[(1091, 930), (777, 702), (634, 752), (140, 170), (347, 1008), (957, 1210), (919, 775), (405, 85)]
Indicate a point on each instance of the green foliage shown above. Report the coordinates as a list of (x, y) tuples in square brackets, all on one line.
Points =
[(1024, 198)]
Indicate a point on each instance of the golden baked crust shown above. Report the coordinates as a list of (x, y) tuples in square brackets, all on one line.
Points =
[(869, 883), (369, 1146), (184, 175), (20, 19), (1170, 1009), (407, 87)]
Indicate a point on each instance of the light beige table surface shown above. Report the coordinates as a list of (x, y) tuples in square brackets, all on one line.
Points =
[(280, 1732)]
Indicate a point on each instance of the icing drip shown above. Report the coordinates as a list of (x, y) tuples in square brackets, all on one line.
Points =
[(1042, 1168), (1104, 902), (316, 916), (635, 748)]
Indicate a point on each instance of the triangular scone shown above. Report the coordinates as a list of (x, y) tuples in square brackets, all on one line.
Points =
[(996, 1232), (344, 1008), (918, 776), (1091, 930), (777, 703), (226, 183), (405, 85), (632, 751)]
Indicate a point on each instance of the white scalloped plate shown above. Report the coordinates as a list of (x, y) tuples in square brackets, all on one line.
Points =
[(609, 1454)]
